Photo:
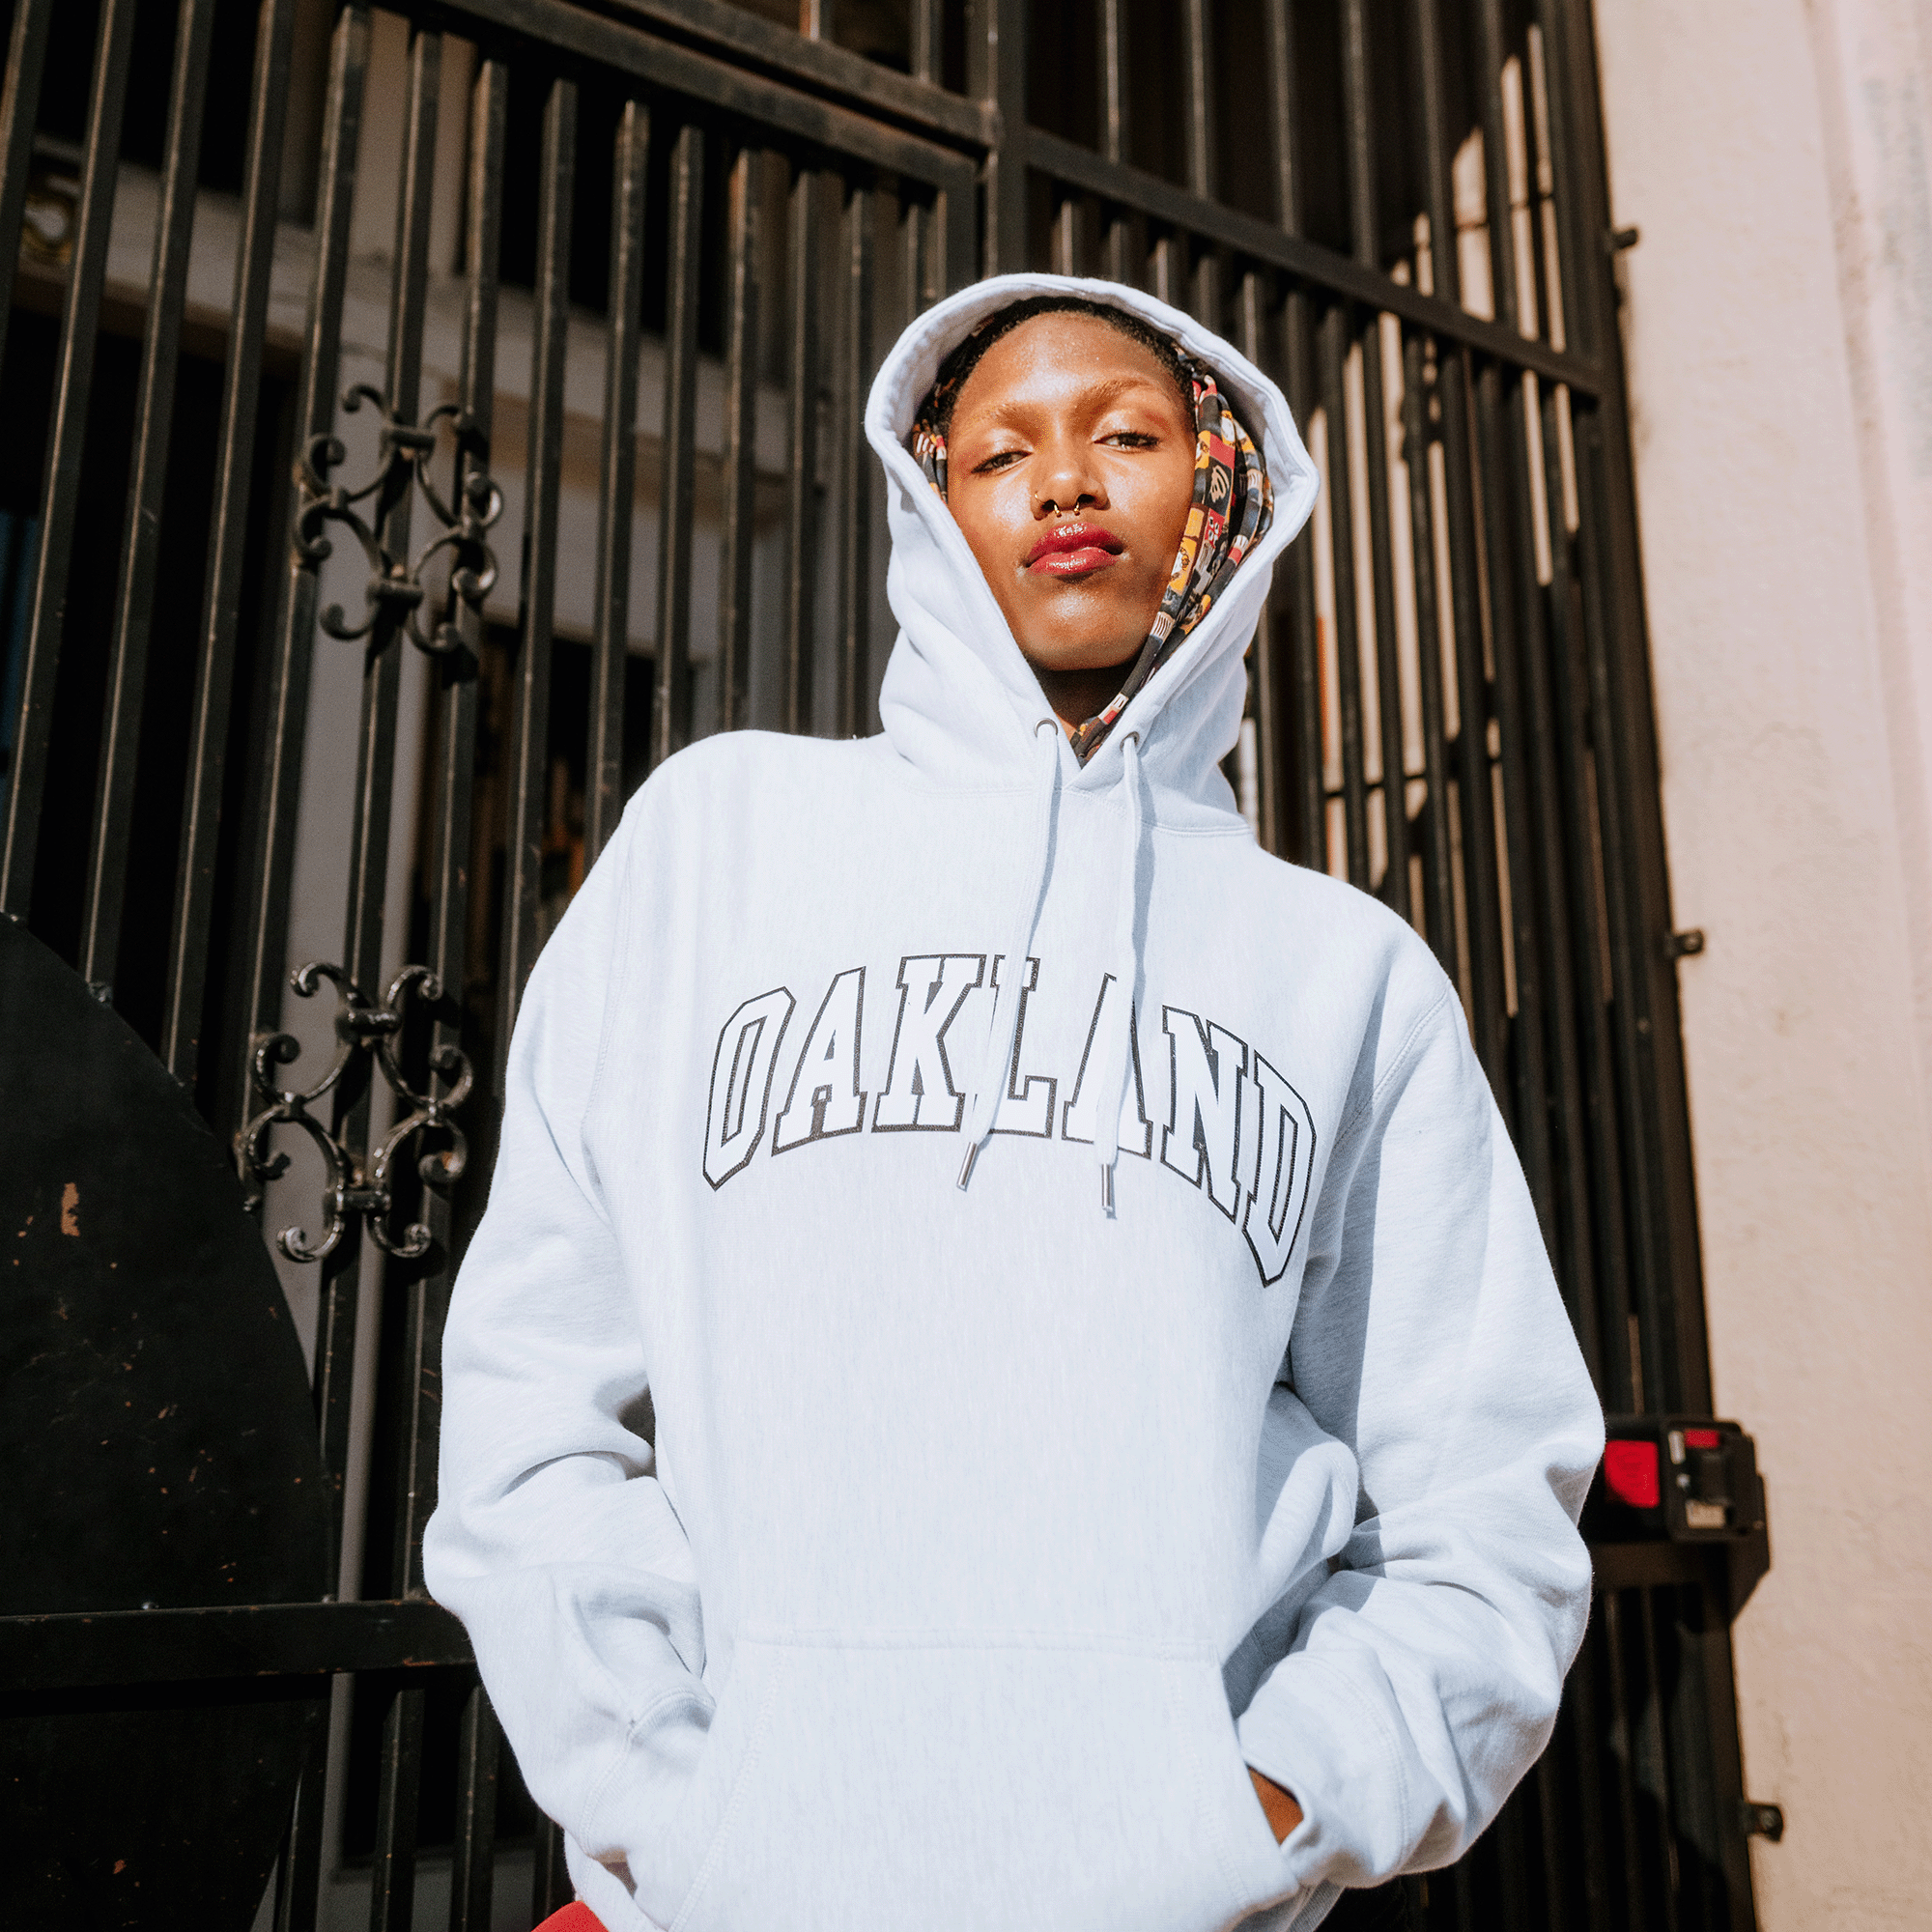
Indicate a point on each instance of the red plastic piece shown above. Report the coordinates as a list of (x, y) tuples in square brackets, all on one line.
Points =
[(1630, 1470), (576, 1916), (1700, 1439)]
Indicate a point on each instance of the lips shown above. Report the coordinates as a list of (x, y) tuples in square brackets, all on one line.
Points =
[(1074, 549)]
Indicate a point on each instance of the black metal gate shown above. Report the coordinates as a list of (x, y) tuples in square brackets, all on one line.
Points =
[(420, 422)]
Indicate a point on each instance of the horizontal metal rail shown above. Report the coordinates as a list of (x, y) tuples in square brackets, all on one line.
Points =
[(78, 1650), (1116, 183), (778, 109), (817, 67), (84, 1650)]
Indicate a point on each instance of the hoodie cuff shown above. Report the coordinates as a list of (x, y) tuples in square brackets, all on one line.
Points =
[(1326, 1739)]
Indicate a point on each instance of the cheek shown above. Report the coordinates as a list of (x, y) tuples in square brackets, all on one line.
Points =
[(1174, 498), (989, 528)]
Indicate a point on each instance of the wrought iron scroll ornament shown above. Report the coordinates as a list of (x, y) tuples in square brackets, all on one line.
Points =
[(396, 583), (357, 1183)]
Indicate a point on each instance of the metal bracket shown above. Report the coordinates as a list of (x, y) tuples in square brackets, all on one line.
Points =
[(1761, 1821), (358, 1183), (395, 582), (1617, 239), (1685, 945)]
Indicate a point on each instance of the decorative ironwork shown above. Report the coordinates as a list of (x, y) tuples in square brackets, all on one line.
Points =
[(358, 1183), (396, 582)]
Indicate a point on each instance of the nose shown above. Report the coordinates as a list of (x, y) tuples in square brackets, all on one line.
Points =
[(1068, 478)]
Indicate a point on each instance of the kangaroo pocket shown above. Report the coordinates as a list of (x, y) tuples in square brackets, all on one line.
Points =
[(859, 1785)]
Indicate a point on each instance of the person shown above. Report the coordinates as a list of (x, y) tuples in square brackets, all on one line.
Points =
[(866, 1517)]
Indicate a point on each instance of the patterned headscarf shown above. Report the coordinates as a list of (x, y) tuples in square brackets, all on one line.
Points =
[(1233, 503)]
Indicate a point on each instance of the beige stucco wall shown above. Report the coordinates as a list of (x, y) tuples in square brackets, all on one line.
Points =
[(1778, 328)]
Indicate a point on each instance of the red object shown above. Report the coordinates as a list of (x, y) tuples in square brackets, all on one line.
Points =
[(1630, 1470), (576, 1916), (1700, 1439)]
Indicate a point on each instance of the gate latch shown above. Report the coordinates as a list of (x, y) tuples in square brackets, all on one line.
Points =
[(1680, 1479)]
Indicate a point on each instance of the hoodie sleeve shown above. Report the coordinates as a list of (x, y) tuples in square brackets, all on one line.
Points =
[(552, 1540), (1422, 1679)]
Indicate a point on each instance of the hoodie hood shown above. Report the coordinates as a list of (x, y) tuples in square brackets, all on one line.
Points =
[(959, 701)]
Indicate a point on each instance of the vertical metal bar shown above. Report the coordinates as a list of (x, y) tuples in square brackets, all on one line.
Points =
[(280, 760), (1528, 747), (1282, 71), (214, 673), (954, 218), (279, 756), (473, 1853), (1543, 725), (801, 452), (152, 425), (670, 724), (604, 789), (1309, 790), (1269, 694), (1198, 124), (1114, 79), (1438, 892), (1490, 60), (1309, 802), (376, 724), (1198, 99), (997, 57), (1619, 1744), (923, 42), (299, 1875), (530, 741), (60, 489), (1388, 654), (1364, 215), (1646, 1279), (550, 1876), (374, 775), (1550, 1839), (1656, 1744), (1586, 1744), (1333, 354), (394, 1873), (1595, 1103), (855, 491), (1480, 893), (923, 241), (451, 791), (741, 436), (1117, 249), (1650, 1039), (1064, 245), (20, 105), (1497, 434)]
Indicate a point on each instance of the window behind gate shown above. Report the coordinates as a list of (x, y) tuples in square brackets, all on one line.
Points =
[(421, 422)]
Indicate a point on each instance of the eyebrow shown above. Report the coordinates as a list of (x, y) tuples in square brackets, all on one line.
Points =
[(1101, 392)]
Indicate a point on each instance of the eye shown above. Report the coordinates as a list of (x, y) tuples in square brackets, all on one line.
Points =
[(1000, 459), (1131, 439)]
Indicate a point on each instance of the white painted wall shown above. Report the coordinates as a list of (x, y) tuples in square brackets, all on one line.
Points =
[(1775, 155)]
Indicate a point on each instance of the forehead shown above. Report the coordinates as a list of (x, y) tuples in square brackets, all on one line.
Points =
[(1056, 360)]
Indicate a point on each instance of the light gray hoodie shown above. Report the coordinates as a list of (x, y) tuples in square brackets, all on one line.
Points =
[(990, 1533)]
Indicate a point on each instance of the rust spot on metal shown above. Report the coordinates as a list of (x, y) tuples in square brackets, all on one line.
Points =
[(71, 1209)]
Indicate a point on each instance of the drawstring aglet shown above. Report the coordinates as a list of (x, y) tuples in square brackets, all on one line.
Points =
[(1107, 1191), (966, 1166)]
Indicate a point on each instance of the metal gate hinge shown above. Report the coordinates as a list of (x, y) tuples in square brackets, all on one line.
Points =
[(1685, 945), (1761, 1821), (1617, 239)]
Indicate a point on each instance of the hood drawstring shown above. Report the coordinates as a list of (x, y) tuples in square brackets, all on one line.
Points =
[(1113, 1060), (1002, 1024)]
